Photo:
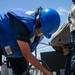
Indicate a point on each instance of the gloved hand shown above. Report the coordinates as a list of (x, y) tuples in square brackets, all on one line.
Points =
[(72, 65), (35, 43)]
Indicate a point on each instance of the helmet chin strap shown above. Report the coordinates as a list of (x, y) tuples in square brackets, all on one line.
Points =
[(38, 12)]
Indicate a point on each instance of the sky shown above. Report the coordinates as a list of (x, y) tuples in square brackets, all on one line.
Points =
[(62, 6)]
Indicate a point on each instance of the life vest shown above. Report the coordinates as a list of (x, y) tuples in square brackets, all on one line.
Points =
[(8, 42), (27, 17)]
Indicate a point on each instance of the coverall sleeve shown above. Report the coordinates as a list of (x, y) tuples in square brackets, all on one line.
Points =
[(20, 30)]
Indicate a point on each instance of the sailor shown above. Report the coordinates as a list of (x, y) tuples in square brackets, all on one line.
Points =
[(20, 33)]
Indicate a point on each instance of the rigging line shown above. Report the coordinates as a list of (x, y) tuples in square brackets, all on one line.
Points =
[(45, 44), (42, 47)]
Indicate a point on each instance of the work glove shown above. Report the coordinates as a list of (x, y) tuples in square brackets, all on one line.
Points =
[(34, 44)]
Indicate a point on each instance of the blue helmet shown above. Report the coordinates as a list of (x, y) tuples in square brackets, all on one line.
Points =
[(50, 21)]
